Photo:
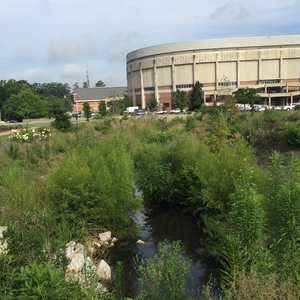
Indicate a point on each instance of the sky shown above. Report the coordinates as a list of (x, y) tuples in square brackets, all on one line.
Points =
[(44, 41)]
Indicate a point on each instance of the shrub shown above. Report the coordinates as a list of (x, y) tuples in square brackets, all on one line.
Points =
[(94, 184), (291, 133), (41, 281), (163, 276)]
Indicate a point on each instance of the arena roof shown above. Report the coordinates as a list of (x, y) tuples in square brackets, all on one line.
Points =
[(216, 44)]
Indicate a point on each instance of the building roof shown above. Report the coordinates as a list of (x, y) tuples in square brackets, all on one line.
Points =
[(217, 44), (99, 93)]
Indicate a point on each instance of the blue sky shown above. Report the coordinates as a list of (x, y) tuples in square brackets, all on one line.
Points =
[(56, 40)]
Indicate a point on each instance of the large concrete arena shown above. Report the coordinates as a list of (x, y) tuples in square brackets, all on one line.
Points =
[(269, 64)]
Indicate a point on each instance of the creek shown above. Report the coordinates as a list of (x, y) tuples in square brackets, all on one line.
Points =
[(157, 224)]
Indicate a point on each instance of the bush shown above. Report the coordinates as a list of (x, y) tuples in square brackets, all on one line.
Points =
[(94, 184), (163, 276), (41, 281), (291, 133)]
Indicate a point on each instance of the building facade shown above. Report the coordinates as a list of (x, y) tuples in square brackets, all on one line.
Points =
[(95, 95), (269, 64)]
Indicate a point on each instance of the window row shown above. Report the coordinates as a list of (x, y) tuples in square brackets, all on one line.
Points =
[(184, 86)]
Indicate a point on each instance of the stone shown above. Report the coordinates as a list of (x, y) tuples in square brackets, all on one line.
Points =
[(111, 245), (140, 242), (103, 271), (76, 264), (114, 240), (70, 249), (3, 245), (79, 248), (105, 236)]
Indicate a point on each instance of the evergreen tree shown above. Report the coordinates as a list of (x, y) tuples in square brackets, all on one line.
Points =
[(102, 109), (197, 97), (87, 111), (59, 112)]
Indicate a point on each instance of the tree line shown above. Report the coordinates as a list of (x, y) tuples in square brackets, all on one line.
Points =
[(21, 100)]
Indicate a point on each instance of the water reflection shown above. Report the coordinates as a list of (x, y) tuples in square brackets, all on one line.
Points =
[(156, 225)]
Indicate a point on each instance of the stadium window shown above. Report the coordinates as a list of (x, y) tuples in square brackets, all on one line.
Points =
[(150, 88)]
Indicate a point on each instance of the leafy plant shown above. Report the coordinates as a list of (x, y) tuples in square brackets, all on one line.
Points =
[(94, 184), (41, 281), (163, 276)]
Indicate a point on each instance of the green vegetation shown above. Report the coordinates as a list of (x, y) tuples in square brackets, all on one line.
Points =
[(197, 96), (87, 111), (218, 164), (151, 104), (19, 99), (179, 99), (246, 96)]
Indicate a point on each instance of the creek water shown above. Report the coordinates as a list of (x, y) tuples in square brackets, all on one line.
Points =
[(157, 224)]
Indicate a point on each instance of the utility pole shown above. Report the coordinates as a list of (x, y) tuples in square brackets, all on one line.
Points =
[(87, 77)]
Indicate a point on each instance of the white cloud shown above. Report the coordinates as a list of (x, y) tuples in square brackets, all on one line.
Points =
[(231, 11), (38, 75)]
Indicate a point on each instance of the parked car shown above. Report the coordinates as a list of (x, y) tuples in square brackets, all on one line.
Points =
[(175, 111), (297, 105), (288, 107), (160, 112), (76, 114), (244, 107), (258, 108), (140, 112)]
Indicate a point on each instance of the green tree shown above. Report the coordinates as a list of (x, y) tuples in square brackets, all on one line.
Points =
[(118, 104), (59, 112), (179, 99), (127, 101), (102, 109), (60, 90), (196, 96), (229, 109), (85, 85), (99, 83), (75, 85), (246, 96), (87, 111), (151, 104), (8, 88), (23, 105)]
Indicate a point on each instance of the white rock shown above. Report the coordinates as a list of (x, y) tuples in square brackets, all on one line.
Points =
[(105, 236), (76, 264), (114, 240), (111, 245), (70, 249), (3, 246), (79, 248), (140, 242), (104, 271)]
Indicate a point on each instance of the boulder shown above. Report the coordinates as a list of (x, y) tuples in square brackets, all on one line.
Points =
[(103, 271), (105, 236), (76, 264)]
